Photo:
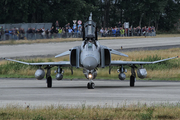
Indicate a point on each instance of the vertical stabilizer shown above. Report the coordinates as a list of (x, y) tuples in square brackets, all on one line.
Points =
[(89, 29)]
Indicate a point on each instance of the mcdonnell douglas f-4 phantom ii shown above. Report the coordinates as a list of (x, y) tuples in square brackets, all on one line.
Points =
[(90, 56)]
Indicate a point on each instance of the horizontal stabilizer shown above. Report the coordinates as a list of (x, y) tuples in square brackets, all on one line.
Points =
[(114, 51), (63, 54), (118, 53)]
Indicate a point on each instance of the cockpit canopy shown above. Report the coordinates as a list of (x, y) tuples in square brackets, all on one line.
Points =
[(90, 47)]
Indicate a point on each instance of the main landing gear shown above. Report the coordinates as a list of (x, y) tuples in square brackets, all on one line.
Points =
[(49, 78), (49, 82), (132, 77), (90, 85)]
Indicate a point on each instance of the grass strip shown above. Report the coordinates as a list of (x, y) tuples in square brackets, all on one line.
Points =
[(106, 112)]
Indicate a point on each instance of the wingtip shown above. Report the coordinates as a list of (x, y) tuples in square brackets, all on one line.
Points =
[(125, 55), (56, 56)]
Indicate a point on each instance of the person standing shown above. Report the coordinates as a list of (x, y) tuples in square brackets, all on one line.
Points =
[(47, 34), (16, 34), (102, 32), (144, 31), (52, 32), (57, 24), (149, 31), (7, 34), (1, 33), (59, 32), (75, 32), (56, 32), (33, 34), (114, 32), (10, 34), (122, 32), (119, 24), (66, 31), (70, 31), (153, 31), (79, 31), (68, 25)]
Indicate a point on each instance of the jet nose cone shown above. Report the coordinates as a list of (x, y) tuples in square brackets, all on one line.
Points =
[(90, 63)]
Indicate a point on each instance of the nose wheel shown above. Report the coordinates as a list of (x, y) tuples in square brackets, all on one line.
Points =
[(90, 85)]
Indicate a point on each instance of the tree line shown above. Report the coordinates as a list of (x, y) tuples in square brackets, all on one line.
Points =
[(163, 14)]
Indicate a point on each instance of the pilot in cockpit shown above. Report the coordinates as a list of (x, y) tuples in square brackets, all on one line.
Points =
[(91, 41)]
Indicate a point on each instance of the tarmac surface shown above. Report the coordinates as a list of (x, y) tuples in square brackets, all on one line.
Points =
[(52, 49), (33, 93)]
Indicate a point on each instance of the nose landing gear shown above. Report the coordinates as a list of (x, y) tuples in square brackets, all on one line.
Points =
[(90, 75), (91, 85)]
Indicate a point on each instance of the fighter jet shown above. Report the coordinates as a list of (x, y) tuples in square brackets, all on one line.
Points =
[(90, 56)]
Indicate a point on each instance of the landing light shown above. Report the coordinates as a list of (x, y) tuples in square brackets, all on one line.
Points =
[(90, 76)]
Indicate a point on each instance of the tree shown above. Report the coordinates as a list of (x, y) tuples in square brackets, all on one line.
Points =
[(162, 14), (170, 16)]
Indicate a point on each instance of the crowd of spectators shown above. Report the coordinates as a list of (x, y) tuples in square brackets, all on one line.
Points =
[(14, 33), (76, 31), (42, 33), (119, 30)]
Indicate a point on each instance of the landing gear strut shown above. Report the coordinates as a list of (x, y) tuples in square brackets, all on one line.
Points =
[(132, 77), (90, 85), (49, 82), (49, 78)]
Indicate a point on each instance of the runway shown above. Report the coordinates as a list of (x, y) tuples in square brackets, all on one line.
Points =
[(52, 49), (33, 93)]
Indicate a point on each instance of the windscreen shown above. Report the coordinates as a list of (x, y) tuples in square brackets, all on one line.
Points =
[(90, 47)]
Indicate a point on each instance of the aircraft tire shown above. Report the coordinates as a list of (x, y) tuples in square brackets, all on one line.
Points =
[(89, 86), (49, 82), (92, 85), (132, 81)]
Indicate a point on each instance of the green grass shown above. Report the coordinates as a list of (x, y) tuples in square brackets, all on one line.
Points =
[(84, 112)]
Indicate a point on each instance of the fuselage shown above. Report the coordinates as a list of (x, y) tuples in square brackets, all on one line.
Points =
[(90, 55)]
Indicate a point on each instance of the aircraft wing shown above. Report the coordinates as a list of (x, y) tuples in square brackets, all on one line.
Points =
[(61, 63), (117, 63)]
